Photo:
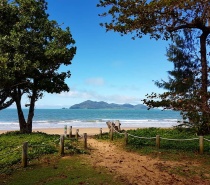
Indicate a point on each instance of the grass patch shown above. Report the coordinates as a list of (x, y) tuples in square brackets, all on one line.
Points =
[(11, 148), (39, 144), (45, 165), (71, 170)]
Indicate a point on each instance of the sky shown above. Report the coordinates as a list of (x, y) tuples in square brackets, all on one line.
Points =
[(107, 66)]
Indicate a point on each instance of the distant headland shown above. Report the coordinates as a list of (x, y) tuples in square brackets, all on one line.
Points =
[(104, 105)]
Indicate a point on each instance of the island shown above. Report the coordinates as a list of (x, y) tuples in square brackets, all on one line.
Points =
[(104, 105)]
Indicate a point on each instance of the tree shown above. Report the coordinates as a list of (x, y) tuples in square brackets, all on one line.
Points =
[(33, 49), (163, 19), (183, 84)]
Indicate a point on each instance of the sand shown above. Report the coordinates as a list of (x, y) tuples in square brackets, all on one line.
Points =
[(137, 169), (89, 131)]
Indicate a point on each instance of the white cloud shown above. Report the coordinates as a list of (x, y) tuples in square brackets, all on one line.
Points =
[(92, 95), (95, 81), (77, 94), (123, 99)]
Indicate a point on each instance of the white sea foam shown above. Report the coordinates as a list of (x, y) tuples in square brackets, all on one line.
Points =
[(99, 123)]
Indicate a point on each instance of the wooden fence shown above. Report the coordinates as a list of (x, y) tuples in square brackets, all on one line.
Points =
[(158, 139), (69, 136), (63, 137)]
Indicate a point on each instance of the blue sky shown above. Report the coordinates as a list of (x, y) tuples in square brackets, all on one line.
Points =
[(107, 67)]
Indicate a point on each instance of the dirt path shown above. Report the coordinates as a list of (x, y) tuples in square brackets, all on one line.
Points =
[(134, 168)]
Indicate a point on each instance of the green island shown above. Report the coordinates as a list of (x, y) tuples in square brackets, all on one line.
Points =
[(104, 105)]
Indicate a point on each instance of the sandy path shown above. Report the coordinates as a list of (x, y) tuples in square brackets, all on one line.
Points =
[(134, 168)]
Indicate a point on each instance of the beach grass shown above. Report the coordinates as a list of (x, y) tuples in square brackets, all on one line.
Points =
[(11, 148), (170, 139)]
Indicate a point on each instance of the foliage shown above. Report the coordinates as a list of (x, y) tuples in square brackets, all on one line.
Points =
[(32, 50), (73, 147), (164, 19), (158, 18), (39, 144), (183, 81), (8, 18)]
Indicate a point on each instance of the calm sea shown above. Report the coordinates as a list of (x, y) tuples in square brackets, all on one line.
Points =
[(58, 118)]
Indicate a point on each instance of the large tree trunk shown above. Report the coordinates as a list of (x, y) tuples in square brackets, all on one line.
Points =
[(21, 118), (31, 111), (25, 127), (205, 126), (22, 123), (204, 93)]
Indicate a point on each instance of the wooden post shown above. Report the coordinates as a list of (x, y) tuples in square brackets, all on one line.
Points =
[(157, 141), (109, 124), (77, 134), (100, 134), (85, 140), (201, 144), (62, 145), (111, 133), (126, 138), (24, 154), (70, 131)]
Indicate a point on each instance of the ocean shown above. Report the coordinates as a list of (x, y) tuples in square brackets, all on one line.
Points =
[(92, 118)]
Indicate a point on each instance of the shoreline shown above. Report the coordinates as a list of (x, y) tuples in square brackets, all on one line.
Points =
[(60, 131)]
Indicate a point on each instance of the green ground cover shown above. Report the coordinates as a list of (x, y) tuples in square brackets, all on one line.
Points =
[(71, 170), (146, 138), (11, 148), (45, 165)]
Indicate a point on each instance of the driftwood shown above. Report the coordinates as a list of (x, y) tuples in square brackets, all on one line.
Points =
[(109, 124), (116, 125)]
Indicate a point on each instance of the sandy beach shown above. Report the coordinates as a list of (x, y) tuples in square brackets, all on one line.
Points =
[(89, 131)]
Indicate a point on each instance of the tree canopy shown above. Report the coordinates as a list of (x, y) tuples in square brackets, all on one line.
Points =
[(155, 17), (32, 49)]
